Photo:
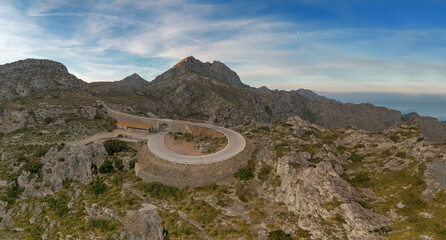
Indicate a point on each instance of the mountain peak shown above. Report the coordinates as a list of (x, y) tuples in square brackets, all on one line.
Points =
[(134, 79), (190, 65), (26, 77), (188, 60)]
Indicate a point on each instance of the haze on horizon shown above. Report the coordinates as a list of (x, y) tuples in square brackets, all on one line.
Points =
[(328, 46)]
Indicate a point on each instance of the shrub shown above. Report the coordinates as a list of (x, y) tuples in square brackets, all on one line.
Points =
[(356, 158), (341, 148), (48, 120), (60, 204), (280, 149), (132, 163), (264, 172), (113, 146), (33, 166), (335, 203), (119, 165), (102, 225), (244, 174), (12, 193), (244, 192), (386, 153), (161, 191), (401, 155), (278, 235), (394, 138), (106, 167), (61, 159), (97, 187), (22, 158), (316, 160), (362, 179), (98, 116)]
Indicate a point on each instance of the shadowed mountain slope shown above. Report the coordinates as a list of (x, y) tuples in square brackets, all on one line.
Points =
[(210, 92)]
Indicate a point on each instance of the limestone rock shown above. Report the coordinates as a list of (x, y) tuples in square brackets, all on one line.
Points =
[(306, 189), (143, 224), (72, 162), (25, 77)]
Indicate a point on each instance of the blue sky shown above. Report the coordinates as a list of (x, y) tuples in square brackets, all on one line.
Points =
[(324, 45)]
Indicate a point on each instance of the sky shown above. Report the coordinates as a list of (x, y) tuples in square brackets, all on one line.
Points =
[(360, 46)]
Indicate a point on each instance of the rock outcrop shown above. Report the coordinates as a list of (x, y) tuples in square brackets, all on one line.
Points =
[(305, 190), (73, 162), (25, 77), (143, 224), (64, 163), (212, 92)]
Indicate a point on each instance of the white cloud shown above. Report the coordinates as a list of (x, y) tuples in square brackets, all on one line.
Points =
[(110, 41)]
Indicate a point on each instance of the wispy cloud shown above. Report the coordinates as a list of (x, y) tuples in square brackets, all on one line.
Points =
[(107, 41)]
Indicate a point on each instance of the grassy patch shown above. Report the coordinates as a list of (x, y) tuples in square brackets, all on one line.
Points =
[(244, 174), (335, 203), (160, 191), (264, 172), (280, 150)]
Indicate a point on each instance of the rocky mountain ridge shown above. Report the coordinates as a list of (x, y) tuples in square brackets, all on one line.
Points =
[(215, 70), (26, 77), (208, 92)]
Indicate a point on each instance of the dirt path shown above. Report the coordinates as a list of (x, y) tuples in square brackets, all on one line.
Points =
[(181, 147)]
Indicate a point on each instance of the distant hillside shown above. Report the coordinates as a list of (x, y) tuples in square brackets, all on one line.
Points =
[(209, 92), (212, 92), (26, 77)]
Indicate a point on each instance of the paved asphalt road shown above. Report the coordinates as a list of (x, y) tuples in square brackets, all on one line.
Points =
[(236, 144)]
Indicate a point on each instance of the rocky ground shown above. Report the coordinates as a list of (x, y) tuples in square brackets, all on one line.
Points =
[(295, 180), (300, 181)]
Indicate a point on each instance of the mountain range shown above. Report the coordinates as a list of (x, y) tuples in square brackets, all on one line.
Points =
[(209, 92)]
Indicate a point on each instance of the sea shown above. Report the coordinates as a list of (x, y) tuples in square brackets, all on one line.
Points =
[(424, 104)]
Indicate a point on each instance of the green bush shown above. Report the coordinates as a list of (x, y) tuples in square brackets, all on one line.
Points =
[(394, 138), (22, 158), (386, 153), (48, 120), (244, 192), (278, 235), (132, 163), (113, 146), (60, 204), (280, 149), (356, 158), (316, 160), (244, 174), (119, 165), (362, 179), (61, 159), (106, 167), (161, 191), (401, 155), (33, 166), (264, 172), (98, 116), (97, 187), (101, 225), (12, 193)]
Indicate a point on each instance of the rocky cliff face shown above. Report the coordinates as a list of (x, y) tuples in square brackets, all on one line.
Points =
[(213, 92), (215, 71), (25, 77)]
